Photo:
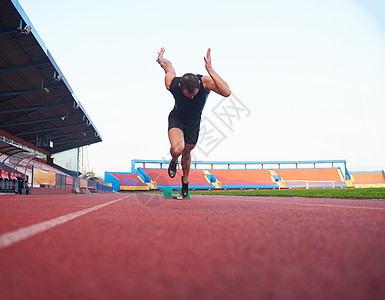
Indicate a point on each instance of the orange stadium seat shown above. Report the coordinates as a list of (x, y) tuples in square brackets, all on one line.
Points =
[(244, 178), (126, 181), (239, 178), (197, 179), (315, 177), (368, 179)]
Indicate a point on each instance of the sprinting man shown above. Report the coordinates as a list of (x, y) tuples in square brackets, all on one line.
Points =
[(190, 92)]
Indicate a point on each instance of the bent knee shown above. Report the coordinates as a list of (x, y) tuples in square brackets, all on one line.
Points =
[(177, 149), (187, 149)]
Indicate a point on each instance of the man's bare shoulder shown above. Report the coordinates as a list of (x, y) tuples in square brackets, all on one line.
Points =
[(207, 83), (168, 79)]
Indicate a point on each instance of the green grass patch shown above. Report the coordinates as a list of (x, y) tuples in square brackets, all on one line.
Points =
[(350, 193)]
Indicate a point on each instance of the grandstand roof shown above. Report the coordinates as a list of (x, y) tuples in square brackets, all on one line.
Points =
[(37, 103), (9, 150)]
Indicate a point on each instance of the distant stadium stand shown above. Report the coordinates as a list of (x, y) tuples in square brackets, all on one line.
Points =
[(197, 179), (245, 179), (368, 179), (311, 178), (234, 175), (125, 181), (22, 173)]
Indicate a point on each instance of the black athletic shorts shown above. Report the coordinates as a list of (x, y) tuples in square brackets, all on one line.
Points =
[(190, 130)]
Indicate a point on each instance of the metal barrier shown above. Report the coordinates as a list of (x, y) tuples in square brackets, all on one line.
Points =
[(89, 185)]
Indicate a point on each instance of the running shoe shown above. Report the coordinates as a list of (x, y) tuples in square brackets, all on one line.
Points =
[(172, 169), (184, 189)]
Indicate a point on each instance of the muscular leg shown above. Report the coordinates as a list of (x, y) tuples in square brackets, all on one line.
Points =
[(175, 135), (186, 161), (179, 147)]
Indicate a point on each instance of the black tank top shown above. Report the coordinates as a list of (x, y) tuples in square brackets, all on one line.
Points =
[(185, 109)]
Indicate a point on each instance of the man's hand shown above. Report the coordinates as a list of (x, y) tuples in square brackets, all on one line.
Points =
[(160, 55), (167, 67), (214, 82), (208, 61)]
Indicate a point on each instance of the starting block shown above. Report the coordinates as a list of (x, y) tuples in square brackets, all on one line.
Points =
[(188, 194), (167, 193)]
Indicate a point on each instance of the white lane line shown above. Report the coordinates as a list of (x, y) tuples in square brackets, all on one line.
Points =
[(327, 205), (12, 237), (296, 203)]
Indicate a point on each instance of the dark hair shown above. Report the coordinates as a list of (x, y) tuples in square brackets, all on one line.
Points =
[(189, 82)]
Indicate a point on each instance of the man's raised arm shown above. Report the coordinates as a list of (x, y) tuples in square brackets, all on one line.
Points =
[(214, 82), (167, 67)]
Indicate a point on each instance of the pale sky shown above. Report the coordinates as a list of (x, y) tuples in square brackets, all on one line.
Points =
[(307, 76)]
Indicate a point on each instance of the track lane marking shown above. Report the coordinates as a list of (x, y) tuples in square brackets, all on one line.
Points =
[(306, 204), (18, 235), (327, 205)]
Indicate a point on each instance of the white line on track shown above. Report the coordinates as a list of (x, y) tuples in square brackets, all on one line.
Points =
[(12, 237), (327, 205), (300, 203)]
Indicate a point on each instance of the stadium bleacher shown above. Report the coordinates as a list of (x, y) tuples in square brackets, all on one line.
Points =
[(197, 179), (13, 183), (368, 179), (244, 179), (126, 181), (312, 178), (210, 177)]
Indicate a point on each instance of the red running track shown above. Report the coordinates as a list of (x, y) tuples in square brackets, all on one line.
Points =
[(145, 247)]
